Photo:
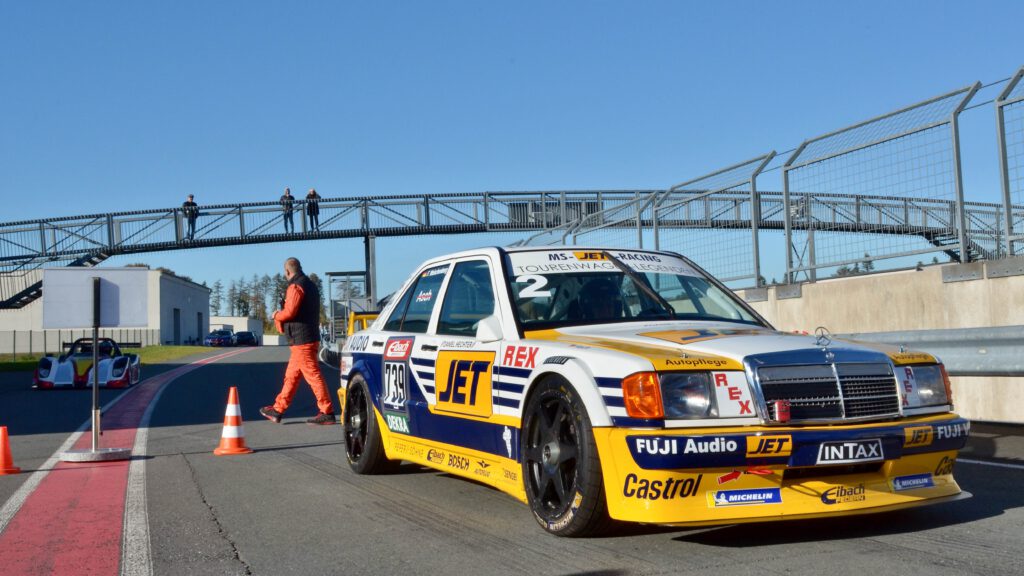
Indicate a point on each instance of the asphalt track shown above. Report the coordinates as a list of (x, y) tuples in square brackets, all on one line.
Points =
[(294, 507)]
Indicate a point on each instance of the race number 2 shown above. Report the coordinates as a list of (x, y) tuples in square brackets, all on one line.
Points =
[(394, 386)]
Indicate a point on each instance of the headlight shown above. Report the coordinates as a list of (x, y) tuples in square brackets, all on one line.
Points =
[(688, 395), (45, 364), (676, 395), (925, 386)]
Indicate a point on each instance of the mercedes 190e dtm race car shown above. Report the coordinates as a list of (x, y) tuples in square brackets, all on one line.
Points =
[(599, 385), (74, 369)]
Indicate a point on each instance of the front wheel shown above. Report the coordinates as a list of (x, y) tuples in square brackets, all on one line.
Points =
[(561, 468), (364, 446)]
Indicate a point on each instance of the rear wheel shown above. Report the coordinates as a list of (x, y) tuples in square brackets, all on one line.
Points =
[(561, 468), (364, 446)]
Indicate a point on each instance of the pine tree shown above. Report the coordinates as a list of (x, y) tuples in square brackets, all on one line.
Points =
[(320, 288), (242, 306), (232, 305), (279, 291), (216, 295)]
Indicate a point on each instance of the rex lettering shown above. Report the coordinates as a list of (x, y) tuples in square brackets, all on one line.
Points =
[(520, 356), (733, 394)]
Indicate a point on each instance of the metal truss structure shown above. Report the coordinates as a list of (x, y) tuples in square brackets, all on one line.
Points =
[(886, 189)]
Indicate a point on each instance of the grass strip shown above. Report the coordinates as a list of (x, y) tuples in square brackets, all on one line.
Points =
[(148, 355)]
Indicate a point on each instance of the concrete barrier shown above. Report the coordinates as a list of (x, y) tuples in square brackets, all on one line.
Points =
[(274, 340), (934, 298)]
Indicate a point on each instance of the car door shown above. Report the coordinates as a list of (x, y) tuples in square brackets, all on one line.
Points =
[(455, 370), (399, 393)]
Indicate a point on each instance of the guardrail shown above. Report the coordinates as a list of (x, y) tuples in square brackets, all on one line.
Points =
[(997, 351), (40, 342)]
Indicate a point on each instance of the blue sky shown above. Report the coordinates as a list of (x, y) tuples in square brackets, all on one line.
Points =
[(110, 106)]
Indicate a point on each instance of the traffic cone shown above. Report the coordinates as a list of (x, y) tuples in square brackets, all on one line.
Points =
[(232, 439), (6, 461)]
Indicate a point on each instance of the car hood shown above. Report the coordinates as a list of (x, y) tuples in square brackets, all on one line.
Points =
[(714, 340)]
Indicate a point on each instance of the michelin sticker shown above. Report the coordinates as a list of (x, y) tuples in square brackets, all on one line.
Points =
[(748, 497)]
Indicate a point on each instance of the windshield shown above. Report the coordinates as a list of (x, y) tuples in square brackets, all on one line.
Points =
[(564, 288)]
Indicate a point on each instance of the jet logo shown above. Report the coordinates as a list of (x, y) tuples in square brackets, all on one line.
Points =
[(917, 436), (464, 382), (769, 446)]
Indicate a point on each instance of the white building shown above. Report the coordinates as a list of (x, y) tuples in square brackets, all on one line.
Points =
[(237, 324), (178, 312)]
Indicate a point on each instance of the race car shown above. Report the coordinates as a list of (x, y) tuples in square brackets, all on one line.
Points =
[(74, 369), (600, 385)]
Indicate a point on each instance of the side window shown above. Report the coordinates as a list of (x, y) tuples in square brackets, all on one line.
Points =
[(394, 323), (412, 314), (469, 298)]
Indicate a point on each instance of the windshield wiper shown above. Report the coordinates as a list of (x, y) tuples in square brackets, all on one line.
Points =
[(641, 283)]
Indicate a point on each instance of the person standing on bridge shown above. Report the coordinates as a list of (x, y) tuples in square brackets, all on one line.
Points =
[(190, 210), (299, 321), (313, 210), (287, 205)]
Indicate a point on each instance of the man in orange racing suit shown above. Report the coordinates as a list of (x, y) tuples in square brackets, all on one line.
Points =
[(299, 321)]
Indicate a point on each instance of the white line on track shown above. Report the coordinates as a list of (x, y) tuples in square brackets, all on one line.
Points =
[(136, 552), (996, 464)]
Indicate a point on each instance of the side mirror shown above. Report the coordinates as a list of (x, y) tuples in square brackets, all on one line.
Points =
[(488, 329)]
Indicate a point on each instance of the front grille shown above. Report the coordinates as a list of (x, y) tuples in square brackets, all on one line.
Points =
[(830, 392), (825, 471)]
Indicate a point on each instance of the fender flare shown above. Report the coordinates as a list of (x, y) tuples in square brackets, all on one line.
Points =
[(365, 369), (582, 381)]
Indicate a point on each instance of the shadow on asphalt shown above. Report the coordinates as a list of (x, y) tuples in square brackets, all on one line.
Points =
[(198, 397)]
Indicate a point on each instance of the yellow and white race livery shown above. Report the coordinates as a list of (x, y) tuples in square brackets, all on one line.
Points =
[(603, 384)]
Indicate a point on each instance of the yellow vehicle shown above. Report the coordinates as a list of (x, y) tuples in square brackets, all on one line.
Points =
[(599, 385)]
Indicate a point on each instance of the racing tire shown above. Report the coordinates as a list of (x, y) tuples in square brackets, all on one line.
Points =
[(561, 467), (364, 446)]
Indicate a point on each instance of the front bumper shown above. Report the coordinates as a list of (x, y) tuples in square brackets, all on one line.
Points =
[(729, 475)]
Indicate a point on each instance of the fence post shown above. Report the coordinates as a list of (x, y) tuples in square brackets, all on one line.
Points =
[(1004, 169), (958, 180)]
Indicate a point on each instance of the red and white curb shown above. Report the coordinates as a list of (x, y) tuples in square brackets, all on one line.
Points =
[(49, 526)]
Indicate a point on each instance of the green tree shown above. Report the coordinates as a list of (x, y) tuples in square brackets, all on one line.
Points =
[(216, 296), (232, 305), (868, 265), (320, 288)]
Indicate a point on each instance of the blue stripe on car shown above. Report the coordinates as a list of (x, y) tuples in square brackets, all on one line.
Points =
[(513, 372)]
